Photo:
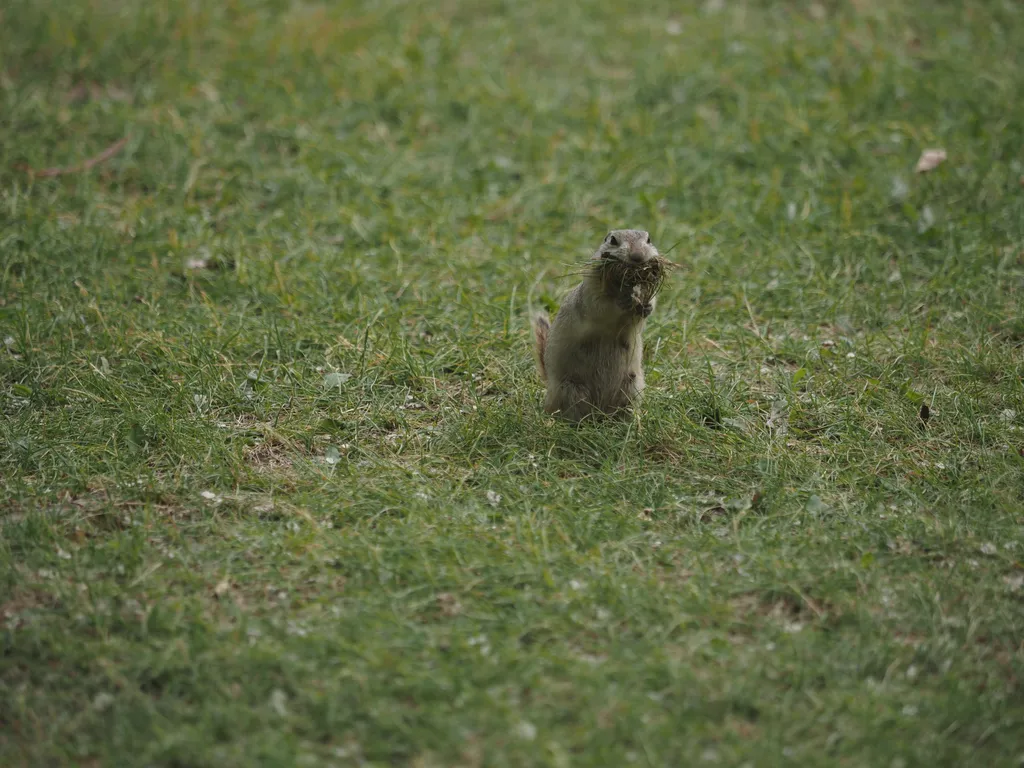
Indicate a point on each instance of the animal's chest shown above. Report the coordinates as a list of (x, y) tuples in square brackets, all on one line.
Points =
[(609, 361), (615, 352), (616, 372)]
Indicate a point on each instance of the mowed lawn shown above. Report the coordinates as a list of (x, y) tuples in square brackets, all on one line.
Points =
[(275, 483)]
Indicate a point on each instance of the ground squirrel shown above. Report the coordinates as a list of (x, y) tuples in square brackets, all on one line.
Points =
[(591, 356)]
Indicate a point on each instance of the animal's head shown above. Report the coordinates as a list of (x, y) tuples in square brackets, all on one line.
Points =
[(627, 245)]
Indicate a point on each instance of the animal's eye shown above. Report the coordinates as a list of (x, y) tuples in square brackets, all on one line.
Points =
[(613, 241), (648, 239)]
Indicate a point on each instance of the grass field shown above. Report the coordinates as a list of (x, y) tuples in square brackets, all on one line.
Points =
[(276, 484)]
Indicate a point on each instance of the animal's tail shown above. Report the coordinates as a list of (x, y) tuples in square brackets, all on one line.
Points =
[(541, 326)]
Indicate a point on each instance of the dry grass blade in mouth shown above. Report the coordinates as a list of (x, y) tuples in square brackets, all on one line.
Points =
[(638, 282)]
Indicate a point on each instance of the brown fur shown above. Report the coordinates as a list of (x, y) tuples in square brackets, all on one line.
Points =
[(541, 326), (591, 355)]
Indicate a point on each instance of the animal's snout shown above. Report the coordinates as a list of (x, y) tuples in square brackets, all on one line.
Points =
[(638, 256)]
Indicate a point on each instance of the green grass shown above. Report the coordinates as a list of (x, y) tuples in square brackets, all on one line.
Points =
[(214, 552)]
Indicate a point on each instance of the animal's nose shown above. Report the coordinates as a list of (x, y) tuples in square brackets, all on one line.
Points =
[(637, 256)]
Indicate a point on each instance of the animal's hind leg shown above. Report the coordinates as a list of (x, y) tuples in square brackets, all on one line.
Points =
[(628, 395), (568, 400), (633, 386)]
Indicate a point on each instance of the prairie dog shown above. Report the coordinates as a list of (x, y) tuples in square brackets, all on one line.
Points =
[(591, 356)]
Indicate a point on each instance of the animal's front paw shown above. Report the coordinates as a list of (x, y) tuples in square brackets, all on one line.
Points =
[(646, 309)]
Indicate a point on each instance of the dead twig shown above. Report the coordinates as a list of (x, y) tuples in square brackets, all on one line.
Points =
[(102, 157)]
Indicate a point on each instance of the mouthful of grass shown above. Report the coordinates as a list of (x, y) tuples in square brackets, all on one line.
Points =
[(634, 284)]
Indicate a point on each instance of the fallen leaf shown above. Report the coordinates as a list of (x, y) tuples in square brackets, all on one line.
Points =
[(526, 731), (279, 702), (1014, 582), (899, 189), (815, 505), (930, 160), (448, 604), (336, 379), (926, 220)]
